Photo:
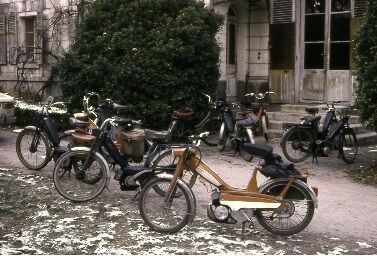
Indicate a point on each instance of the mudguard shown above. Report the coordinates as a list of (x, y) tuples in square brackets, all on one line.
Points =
[(96, 153), (303, 184), (189, 192)]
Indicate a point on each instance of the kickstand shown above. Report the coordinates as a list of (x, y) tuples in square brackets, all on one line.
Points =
[(137, 194), (316, 159), (247, 227)]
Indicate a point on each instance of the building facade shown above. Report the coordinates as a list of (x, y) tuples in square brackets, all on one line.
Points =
[(300, 49)]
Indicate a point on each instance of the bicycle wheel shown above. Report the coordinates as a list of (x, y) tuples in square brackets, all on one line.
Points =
[(36, 156), (78, 186), (296, 145), (294, 216), (165, 164), (348, 146), (160, 216)]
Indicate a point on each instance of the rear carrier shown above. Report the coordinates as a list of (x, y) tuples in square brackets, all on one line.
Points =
[(132, 143)]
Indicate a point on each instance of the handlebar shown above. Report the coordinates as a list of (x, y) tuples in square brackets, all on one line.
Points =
[(260, 96)]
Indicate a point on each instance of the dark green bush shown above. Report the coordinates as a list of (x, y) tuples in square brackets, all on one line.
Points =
[(144, 54), (366, 59)]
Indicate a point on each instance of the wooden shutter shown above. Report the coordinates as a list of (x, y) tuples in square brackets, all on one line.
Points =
[(358, 8), (3, 40), (12, 37), (39, 37), (282, 11)]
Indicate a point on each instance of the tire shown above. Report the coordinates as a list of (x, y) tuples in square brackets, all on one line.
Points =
[(276, 221), (82, 189), (165, 163), (65, 140), (33, 159), (242, 133), (214, 129), (223, 137), (264, 127), (297, 142), (160, 217), (348, 146)]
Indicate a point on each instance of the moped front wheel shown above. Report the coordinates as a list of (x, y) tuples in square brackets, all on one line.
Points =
[(348, 146), (161, 215), (165, 164), (296, 145), (33, 149), (295, 214), (223, 137), (77, 185)]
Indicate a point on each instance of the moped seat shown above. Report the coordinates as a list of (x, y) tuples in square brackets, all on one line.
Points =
[(311, 110), (311, 119), (78, 123), (120, 107), (83, 137), (158, 135), (184, 115), (261, 150)]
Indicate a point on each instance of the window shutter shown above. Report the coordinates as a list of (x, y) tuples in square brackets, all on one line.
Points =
[(12, 37), (282, 11), (39, 37), (358, 8), (3, 42)]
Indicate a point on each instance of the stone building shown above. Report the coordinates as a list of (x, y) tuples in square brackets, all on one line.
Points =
[(33, 34), (300, 49)]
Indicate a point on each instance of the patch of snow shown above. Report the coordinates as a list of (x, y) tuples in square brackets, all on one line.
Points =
[(44, 213), (338, 251), (115, 213), (364, 245)]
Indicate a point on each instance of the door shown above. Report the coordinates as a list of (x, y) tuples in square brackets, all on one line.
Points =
[(326, 61)]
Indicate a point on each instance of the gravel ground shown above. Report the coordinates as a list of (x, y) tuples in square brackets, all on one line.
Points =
[(35, 219)]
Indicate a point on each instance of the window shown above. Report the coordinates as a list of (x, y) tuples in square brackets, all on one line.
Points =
[(314, 34), (340, 34), (30, 37), (282, 45)]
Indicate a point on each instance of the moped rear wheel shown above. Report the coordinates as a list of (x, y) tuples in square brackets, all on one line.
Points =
[(296, 145), (159, 215), (74, 184), (348, 146), (33, 156), (294, 216)]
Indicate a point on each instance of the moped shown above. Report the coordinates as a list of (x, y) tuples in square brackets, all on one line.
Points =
[(283, 205), (304, 139)]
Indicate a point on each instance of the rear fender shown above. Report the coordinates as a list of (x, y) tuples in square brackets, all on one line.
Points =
[(286, 180), (85, 149)]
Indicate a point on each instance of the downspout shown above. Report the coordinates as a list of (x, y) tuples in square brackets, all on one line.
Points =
[(247, 77)]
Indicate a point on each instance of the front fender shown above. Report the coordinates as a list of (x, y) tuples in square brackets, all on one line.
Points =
[(303, 184), (31, 127), (189, 192)]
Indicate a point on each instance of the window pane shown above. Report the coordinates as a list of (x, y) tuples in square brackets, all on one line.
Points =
[(314, 27), (340, 5), (29, 40), (29, 25), (340, 27), (282, 45), (339, 56), (232, 44), (315, 6), (314, 56)]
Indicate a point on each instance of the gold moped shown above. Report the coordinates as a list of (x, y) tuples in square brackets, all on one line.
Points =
[(283, 205)]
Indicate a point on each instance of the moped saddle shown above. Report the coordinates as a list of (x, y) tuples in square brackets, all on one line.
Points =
[(261, 150), (120, 107), (78, 123), (158, 135), (183, 114), (311, 110)]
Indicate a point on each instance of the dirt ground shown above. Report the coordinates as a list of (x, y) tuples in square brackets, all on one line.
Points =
[(35, 219)]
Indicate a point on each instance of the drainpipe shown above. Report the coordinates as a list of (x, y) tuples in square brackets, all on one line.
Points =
[(247, 77)]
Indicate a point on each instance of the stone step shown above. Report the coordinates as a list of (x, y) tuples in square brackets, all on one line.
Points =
[(358, 128), (293, 117)]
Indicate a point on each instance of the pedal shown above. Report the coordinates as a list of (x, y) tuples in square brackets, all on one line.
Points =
[(248, 227)]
